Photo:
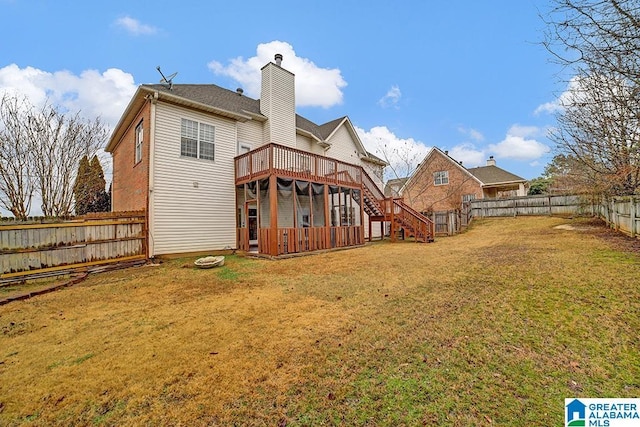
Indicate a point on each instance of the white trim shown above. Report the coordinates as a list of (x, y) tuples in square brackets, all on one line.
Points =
[(152, 163), (245, 145)]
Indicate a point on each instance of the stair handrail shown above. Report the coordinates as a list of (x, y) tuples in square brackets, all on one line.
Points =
[(421, 223), (371, 186), (400, 202)]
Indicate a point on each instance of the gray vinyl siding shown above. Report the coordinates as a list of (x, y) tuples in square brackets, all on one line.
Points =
[(307, 144), (277, 102), (193, 200), (250, 132), (343, 147)]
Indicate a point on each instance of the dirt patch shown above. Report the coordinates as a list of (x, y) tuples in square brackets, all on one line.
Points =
[(599, 229), (616, 239)]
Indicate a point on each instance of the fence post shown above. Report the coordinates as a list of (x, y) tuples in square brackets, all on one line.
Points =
[(632, 210)]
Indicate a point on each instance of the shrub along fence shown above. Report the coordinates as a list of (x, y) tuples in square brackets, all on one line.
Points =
[(28, 249)]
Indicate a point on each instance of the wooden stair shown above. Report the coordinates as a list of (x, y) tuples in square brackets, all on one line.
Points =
[(396, 211)]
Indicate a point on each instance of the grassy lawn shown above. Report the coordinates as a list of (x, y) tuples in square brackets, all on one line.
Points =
[(492, 327)]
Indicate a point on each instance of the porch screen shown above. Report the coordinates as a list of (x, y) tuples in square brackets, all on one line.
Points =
[(317, 204), (251, 190), (264, 220), (285, 203), (346, 211), (334, 205), (303, 204), (240, 199), (356, 197)]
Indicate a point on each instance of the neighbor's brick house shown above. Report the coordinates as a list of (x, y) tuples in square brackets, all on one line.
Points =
[(440, 183)]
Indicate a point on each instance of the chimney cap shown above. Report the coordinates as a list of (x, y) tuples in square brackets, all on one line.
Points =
[(239, 91), (278, 59)]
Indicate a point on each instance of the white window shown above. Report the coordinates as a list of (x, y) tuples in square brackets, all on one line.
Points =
[(441, 178), (243, 147), (139, 139), (197, 140)]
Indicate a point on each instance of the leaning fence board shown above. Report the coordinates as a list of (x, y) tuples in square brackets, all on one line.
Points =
[(28, 248)]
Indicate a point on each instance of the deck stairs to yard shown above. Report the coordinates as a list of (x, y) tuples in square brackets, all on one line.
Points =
[(395, 210)]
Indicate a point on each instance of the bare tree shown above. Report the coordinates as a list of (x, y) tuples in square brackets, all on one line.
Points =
[(588, 35), (16, 179), (598, 124), (49, 144)]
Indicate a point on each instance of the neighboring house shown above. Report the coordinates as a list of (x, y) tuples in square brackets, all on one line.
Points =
[(393, 187), (216, 169), (440, 183), (498, 183)]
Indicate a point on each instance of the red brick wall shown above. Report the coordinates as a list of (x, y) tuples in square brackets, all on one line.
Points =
[(131, 180), (423, 195)]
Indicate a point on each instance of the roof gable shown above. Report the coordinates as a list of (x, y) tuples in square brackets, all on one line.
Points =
[(233, 104), (435, 151)]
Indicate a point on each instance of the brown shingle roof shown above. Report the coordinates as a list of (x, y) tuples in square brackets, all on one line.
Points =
[(216, 96), (490, 175), (210, 94)]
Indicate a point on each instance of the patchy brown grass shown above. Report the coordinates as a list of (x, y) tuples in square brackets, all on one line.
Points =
[(495, 326)]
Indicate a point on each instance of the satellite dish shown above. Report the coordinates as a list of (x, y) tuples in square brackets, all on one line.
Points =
[(166, 81)]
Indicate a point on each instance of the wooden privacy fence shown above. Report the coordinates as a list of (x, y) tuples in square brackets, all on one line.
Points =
[(27, 249), (532, 205), (621, 213)]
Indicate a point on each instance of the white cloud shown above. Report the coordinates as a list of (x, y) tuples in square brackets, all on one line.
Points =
[(92, 93), (403, 154), (520, 144), (135, 27), (392, 98), (468, 155), (558, 104), (315, 86), (473, 134)]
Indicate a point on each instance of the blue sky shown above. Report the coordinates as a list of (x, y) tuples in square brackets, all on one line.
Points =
[(467, 76)]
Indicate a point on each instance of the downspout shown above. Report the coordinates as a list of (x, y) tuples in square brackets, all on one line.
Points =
[(152, 157)]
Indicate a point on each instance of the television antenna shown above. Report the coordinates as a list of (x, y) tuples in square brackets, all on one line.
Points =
[(166, 81)]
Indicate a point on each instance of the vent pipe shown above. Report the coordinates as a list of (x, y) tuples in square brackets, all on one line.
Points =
[(278, 59)]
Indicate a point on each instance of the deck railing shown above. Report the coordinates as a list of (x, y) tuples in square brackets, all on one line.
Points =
[(308, 239), (290, 162)]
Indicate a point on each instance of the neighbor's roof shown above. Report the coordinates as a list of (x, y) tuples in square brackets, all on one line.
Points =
[(394, 185), (493, 175)]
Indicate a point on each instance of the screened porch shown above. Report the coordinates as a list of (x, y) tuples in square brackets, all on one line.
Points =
[(291, 201)]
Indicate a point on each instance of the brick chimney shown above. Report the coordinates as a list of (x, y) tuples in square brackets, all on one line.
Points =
[(491, 161), (277, 103)]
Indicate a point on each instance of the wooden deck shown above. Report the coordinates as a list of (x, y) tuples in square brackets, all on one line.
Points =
[(276, 161)]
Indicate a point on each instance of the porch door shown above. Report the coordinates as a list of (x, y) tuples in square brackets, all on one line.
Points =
[(252, 221)]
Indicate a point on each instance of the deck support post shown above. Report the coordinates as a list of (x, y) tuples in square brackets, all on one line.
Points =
[(273, 215)]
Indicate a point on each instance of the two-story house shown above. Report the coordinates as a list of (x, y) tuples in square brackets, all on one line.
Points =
[(216, 169)]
